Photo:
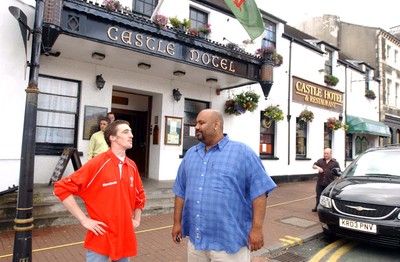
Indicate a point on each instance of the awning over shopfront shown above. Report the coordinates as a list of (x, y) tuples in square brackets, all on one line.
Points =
[(359, 125)]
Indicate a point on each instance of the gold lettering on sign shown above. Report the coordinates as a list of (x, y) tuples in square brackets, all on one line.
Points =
[(139, 40), (317, 95), (170, 49), (205, 58), (109, 31), (150, 39), (126, 37), (160, 46)]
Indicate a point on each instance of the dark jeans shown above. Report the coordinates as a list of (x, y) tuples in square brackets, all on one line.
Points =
[(318, 190)]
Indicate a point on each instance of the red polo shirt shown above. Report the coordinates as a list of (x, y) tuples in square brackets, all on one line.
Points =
[(110, 197)]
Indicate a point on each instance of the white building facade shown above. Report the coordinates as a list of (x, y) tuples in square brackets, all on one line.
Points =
[(143, 63)]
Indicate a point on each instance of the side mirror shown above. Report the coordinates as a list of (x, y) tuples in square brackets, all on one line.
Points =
[(336, 171)]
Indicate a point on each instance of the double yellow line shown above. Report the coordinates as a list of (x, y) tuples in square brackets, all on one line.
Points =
[(342, 245)]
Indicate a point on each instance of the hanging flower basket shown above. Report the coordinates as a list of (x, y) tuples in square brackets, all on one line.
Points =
[(306, 116), (270, 54), (331, 80), (370, 94), (272, 113), (333, 123), (240, 104)]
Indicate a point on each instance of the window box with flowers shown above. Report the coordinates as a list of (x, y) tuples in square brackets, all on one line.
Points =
[(175, 22), (306, 116), (112, 5), (204, 31), (240, 104), (331, 80), (370, 94), (161, 20), (333, 123), (272, 113), (269, 54)]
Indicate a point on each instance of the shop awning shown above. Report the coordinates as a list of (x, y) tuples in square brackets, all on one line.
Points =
[(359, 125)]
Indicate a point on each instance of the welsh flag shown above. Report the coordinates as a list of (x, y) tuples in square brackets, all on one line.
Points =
[(248, 14)]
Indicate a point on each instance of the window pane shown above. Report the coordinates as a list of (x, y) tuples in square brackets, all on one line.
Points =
[(52, 119), (54, 135), (267, 136), (198, 18), (57, 103), (57, 115), (301, 138)]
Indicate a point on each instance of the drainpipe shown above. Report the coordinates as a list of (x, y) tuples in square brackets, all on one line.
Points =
[(289, 116)]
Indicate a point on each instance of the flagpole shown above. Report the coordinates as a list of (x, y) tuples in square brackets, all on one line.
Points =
[(156, 9)]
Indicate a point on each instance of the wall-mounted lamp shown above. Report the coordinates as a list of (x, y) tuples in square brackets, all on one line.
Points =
[(179, 73), (144, 66), (340, 117), (100, 82), (212, 80), (177, 95), (98, 56)]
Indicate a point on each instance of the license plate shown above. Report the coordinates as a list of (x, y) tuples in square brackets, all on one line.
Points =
[(355, 225)]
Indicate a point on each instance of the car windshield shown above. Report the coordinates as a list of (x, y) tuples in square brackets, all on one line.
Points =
[(380, 163)]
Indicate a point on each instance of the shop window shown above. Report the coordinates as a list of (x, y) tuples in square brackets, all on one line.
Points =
[(191, 110), (57, 115), (197, 18), (144, 7), (267, 138), (361, 144), (349, 147), (327, 136), (301, 139)]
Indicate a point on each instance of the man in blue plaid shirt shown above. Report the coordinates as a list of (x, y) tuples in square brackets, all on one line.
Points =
[(221, 195)]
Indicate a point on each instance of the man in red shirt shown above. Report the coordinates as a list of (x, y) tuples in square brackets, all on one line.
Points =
[(113, 193)]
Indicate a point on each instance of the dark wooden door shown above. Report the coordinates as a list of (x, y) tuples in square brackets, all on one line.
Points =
[(139, 124)]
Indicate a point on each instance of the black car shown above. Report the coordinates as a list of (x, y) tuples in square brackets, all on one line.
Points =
[(364, 203)]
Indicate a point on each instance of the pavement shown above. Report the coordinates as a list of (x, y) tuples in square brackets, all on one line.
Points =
[(288, 222)]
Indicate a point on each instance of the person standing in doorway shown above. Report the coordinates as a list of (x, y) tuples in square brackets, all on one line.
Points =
[(97, 143), (325, 176), (221, 194), (111, 117), (114, 197)]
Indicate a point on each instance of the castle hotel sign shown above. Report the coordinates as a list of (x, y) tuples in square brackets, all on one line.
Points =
[(309, 93)]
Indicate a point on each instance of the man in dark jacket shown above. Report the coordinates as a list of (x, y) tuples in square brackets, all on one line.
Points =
[(325, 176)]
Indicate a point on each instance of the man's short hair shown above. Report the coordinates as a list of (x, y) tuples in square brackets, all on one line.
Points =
[(111, 129)]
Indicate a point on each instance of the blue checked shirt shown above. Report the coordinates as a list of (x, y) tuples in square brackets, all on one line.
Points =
[(218, 188)]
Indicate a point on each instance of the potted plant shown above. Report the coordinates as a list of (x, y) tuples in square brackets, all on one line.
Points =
[(306, 116), (331, 80), (186, 23), (272, 113), (161, 20), (370, 94), (175, 22), (112, 5), (193, 31), (240, 104), (269, 53), (333, 123), (204, 31)]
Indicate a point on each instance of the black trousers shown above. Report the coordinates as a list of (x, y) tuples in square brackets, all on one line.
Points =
[(318, 190)]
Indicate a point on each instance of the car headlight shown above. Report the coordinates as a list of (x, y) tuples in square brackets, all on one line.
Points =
[(325, 202)]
